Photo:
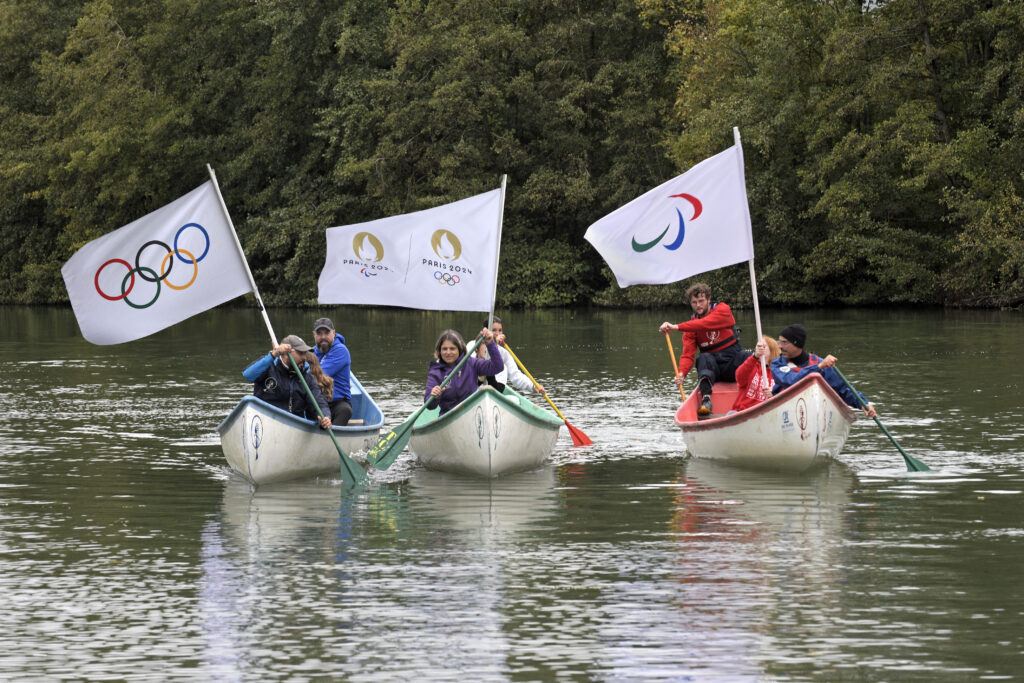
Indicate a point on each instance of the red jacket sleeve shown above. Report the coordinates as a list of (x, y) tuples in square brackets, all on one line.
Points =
[(689, 355), (717, 318), (745, 373)]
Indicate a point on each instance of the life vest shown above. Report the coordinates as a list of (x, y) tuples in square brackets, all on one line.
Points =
[(709, 341)]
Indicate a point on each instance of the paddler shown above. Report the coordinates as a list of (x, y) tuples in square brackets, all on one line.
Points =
[(795, 363), (711, 332)]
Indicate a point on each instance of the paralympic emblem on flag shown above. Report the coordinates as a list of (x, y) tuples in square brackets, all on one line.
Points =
[(166, 266), (698, 207)]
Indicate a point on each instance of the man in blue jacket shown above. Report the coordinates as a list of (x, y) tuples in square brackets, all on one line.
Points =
[(794, 364), (274, 381), (336, 362)]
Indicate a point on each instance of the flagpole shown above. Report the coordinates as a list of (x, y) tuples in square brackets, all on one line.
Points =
[(750, 263), (497, 252), (241, 253)]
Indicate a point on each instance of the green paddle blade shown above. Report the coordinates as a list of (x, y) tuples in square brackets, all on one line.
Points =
[(386, 451)]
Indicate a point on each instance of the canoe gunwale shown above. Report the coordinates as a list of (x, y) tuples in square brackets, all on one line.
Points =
[(764, 407), (535, 416)]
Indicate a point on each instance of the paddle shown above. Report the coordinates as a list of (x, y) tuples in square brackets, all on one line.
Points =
[(675, 366), (348, 466), (913, 465), (384, 453), (578, 437)]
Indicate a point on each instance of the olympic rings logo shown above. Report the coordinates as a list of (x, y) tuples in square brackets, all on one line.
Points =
[(166, 266), (447, 278)]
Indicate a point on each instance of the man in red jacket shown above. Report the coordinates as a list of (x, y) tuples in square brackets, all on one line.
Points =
[(711, 332)]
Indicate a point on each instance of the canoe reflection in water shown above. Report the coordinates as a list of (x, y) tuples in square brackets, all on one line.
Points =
[(764, 544)]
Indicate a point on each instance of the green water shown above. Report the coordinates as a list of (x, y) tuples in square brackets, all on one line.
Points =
[(129, 551)]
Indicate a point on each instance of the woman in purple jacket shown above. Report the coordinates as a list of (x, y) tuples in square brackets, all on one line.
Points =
[(447, 352)]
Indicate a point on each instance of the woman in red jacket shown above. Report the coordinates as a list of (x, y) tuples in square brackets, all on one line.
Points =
[(749, 379)]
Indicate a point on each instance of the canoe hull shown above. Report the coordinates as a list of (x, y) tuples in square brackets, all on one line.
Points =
[(487, 435), (265, 444), (792, 431)]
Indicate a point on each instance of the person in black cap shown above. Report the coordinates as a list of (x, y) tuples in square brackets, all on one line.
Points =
[(336, 363), (274, 381), (795, 363)]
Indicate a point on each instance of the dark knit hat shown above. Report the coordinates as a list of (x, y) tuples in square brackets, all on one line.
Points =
[(796, 334)]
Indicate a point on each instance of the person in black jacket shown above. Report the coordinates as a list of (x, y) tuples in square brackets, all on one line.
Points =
[(274, 381)]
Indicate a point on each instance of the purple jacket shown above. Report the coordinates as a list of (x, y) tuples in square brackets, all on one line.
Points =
[(464, 383)]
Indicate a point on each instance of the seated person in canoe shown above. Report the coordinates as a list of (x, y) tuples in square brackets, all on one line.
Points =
[(511, 374), (337, 364), (450, 348), (325, 383), (275, 382), (711, 331), (753, 386), (795, 363)]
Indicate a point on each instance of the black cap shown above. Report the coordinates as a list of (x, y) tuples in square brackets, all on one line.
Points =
[(796, 334), (323, 323)]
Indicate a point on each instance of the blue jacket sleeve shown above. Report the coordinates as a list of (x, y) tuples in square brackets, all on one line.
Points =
[(786, 376), (257, 368), (837, 383)]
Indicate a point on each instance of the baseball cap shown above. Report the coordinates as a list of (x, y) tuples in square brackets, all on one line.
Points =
[(323, 322), (296, 343)]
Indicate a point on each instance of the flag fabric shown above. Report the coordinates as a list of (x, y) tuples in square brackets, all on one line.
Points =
[(694, 223), (440, 259), (167, 266)]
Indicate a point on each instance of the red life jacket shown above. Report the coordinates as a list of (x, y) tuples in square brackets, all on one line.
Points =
[(709, 341)]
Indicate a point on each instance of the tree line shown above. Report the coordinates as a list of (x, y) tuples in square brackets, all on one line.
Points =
[(884, 140)]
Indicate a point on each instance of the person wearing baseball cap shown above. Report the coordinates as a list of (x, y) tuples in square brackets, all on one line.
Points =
[(795, 363), (274, 381), (336, 362)]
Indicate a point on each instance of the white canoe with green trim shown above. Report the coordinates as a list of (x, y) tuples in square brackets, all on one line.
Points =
[(266, 444), (487, 435)]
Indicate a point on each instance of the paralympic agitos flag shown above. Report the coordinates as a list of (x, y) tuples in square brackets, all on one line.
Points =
[(694, 223), (167, 266), (440, 259)]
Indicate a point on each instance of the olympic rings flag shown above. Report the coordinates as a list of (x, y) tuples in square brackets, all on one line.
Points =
[(440, 259), (167, 266), (694, 223)]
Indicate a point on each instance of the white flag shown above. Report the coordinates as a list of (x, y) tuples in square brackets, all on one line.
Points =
[(154, 272), (440, 259), (694, 223)]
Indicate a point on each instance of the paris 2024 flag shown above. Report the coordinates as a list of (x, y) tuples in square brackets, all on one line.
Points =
[(439, 259), (167, 266), (694, 223)]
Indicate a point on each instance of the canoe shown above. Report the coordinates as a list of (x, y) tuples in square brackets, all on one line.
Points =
[(487, 435), (266, 444), (793, 430)]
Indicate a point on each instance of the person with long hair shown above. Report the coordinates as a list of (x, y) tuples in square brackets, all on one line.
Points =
[(325, 383), (448, 351), (753, 388)]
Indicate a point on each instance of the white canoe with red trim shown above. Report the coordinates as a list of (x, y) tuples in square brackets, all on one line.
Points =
[(793, 430)]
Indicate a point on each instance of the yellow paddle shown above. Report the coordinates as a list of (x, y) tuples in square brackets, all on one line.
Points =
[(578, 437), (675, 366)]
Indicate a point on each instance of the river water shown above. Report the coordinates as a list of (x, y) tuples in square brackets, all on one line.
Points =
[(129, 551)]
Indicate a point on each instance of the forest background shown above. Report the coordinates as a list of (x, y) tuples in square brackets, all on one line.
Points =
[(884, 141)]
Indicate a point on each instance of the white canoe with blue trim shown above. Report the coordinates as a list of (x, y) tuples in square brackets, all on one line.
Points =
[(794, 430), (487, 435), (266, 444)]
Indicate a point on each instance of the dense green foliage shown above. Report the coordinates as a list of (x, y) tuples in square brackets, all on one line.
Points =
[(883, 140)]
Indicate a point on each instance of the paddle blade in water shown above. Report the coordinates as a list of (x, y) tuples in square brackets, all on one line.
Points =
[(386, 451), (578, 437)]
